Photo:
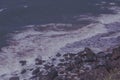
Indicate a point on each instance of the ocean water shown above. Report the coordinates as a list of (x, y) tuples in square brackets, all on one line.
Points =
[(30, 28), (16, 14)]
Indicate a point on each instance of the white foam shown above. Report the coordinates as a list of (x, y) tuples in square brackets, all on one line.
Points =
[(110, 18), (25, 6), (2, 9)]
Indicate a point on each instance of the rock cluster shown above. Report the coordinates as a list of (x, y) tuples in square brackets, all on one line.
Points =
[(85, 65)]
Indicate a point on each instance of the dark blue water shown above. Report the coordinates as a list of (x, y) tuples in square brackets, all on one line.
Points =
[(15, 16)]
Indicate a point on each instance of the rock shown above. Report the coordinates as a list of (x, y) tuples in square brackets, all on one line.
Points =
[(52, 74), (23, 71), (88, 50), (23, 62), (72, 55), (78, 60), (35, 77), (70, 67), (53, 59), (58, 54), (67, 56), (101, 55), (62, 60), (36, 71), (116, 63), (14, 78), (116, 53), (61, 64), (88, 55), (109, 56), (59, 78), (43, 77), (48, 66), (85, 65), (38, 61)]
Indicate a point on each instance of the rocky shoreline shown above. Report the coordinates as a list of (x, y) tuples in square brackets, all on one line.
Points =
[(85, 65)]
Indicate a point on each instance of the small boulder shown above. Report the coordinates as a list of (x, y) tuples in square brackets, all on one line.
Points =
[(14, 78), (52, 74), (58, 55), (36, 71), (23, 71), (38, 61), (23, 62), (88, 55)]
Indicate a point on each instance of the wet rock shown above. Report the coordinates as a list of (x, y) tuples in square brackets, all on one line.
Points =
[(61, 64), (101, 55), (52, 74), (88, 55), (23, 62), (78, 60), (23, 71), (14, 78), (43, 77), (59, 78), (38, 61), (70, 67), (53, 59), (115, 63), (36, 71), (58, 55), (48, 66), (35, 77), (116, 53), (31, 69), (88, 50), (85, 65), (67, 56), (62, 60), (109, 56)]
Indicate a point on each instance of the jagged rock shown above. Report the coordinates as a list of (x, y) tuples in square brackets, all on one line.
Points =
[(23, 71), (61, 64), (23, 62), (38, 61), (88, 55), (78, 60), (53, 59), (69, 68), (116, 53), (48, 66), (59, 78), (52, 74), (58, 54), (14, 78), (43, 78), (36, 71), (109, 56), (85, 65), (62, 60), (101, 55)]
